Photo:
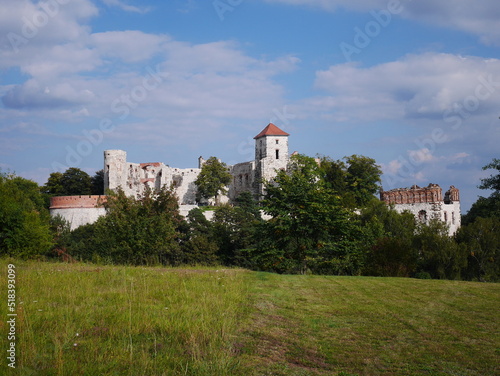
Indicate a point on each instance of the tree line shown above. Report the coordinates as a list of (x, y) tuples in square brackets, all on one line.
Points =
[(325, 219)]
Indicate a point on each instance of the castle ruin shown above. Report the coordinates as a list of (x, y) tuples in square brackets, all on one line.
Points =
[(427, 203), (271, 155)]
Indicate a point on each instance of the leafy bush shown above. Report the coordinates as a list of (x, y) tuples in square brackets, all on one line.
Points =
[(24, 220)]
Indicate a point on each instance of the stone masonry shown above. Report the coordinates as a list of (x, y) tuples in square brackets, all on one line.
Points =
[(271, 154), (427, 203), (78, 210)]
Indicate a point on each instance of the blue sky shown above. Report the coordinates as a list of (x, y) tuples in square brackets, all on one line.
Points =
[(413, 84)]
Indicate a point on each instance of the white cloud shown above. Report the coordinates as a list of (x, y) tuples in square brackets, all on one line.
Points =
[(420, 156), (201, 87), (126, 7), (29, 31), (416, 86), (477, 17), (130, 45)]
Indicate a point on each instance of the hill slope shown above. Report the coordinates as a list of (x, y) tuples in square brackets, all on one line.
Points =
[(103, 320)]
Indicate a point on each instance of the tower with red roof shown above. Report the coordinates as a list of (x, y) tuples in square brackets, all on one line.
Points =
[(271, 153)]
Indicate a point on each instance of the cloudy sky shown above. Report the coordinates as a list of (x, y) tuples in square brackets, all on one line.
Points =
[(413, 84)]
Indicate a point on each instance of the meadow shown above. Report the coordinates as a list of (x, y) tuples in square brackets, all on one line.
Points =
[(85, 319)]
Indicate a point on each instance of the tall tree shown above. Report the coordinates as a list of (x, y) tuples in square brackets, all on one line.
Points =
[(389, 241), (53, 186), (212, 180), (356, 178), (76, 182), (363, 178), (98, 183), (486, 207), (134, 231), (24, 221), (438, 253), (482, 241), (492, 182), (310, 229)]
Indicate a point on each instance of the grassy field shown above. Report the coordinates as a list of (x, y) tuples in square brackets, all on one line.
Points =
[(80, 319)]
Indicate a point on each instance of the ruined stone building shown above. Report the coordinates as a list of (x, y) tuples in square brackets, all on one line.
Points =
[(271, 154), (427, 203), (78, 210)]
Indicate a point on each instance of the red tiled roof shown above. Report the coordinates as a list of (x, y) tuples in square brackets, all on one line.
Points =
[(154, 164), (271, 130)]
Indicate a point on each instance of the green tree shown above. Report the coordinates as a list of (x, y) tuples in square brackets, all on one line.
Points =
[(482, 241), (212, 180), (53, 186), (75, 182), (356, 178), (199, 245), (134, 231), (389, 241), (439, 254), (363, 178), (24, 220), (234, 230), (247, 202), (310, 230), (98, 183), (486, 207), (492, 182)]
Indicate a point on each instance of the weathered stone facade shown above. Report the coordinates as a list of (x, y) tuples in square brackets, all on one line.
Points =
[(133, 178), (271, 153), (427, 203), (78, 210)]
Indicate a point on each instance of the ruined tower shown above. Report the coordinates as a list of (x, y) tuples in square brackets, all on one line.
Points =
[(271, 154), (115, 169)]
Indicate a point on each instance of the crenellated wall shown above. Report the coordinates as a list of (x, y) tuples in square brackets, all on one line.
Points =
[(427, 203), (78, 210)]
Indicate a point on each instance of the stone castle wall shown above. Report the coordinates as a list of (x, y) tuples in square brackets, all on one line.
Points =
[(243, 179), (78, 210), (427, 203), (271, 154)]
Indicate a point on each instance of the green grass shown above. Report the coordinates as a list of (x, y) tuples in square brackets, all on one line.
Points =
[(81, 319)]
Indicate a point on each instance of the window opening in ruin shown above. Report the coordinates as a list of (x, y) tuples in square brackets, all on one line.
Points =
[(422, 216), (277, 142), (453, 218), (277, 154), (445, 216)]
